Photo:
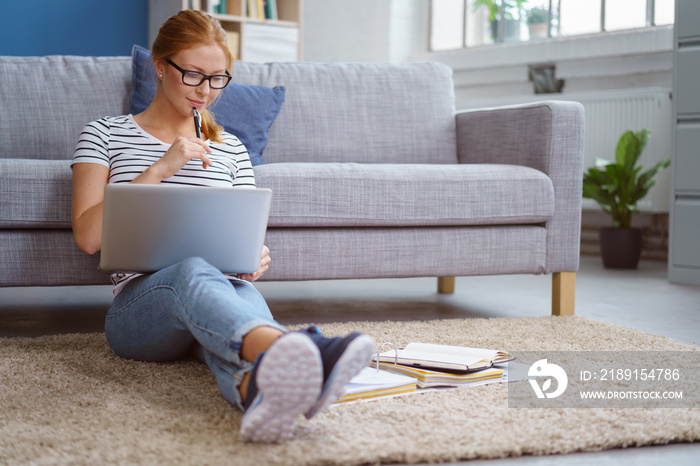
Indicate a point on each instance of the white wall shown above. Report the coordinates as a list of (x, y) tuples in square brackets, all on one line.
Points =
[(622, 60), (398, 30), (364, 30)]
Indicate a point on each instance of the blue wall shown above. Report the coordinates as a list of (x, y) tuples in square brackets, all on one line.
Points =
[(73, 27)]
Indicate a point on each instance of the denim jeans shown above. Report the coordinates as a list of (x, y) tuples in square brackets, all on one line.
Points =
[(189, 307)]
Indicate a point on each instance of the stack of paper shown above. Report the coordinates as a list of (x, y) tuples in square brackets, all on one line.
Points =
[(373, 383), (428, 378), (423, 367)]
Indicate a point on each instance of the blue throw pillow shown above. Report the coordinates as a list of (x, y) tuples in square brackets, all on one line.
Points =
[(244, 111)]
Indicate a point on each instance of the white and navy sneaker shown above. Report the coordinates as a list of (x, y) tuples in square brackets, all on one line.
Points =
[(343, 358), (284, 383)]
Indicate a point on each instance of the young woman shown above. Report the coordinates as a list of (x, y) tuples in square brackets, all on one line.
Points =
[(271, 374)]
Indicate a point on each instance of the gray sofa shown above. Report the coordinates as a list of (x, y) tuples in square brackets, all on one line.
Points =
[(373, 173)]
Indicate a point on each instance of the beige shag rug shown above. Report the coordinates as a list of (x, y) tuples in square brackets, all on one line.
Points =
[(67, 399)]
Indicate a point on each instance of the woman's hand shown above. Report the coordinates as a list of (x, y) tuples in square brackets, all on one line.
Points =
[(264, 263), (181, 151)]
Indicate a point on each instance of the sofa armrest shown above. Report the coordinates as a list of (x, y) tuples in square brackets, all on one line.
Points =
[(547, 136)]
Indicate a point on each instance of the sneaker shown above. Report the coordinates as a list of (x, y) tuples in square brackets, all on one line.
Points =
[(343, 358), (284, 383)]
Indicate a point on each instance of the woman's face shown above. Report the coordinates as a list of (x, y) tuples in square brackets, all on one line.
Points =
[(206, 59)]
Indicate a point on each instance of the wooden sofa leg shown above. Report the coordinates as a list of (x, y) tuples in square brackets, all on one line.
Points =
[(563, 293), (446, 285)]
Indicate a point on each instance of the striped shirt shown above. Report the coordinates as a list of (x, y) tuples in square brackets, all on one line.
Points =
[(120, 144)]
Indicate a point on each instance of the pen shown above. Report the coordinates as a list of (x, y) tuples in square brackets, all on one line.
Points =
[(197, 123)]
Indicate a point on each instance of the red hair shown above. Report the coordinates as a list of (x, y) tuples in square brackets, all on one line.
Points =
[(185, 30)]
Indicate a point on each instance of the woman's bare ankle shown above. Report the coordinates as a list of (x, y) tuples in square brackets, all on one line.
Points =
[(255, 342)]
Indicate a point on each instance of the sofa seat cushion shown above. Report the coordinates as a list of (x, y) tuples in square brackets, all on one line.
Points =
[(37, 194), (362, 195)]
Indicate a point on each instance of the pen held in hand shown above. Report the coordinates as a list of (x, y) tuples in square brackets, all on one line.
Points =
[(198, 131), (197, 123)]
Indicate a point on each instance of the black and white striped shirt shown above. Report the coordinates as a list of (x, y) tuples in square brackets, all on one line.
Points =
[(120, 144)]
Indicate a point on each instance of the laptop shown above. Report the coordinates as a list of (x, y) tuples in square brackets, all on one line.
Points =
[(146, 228)]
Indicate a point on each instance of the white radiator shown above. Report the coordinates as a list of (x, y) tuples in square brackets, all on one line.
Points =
[(608, 115)]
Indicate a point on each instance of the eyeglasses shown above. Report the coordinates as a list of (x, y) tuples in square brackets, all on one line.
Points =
[(195, 78)]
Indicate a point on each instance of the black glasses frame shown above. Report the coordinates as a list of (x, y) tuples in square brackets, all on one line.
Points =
[(205, 77)]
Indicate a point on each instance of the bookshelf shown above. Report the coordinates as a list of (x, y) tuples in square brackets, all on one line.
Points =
[(258, 30)]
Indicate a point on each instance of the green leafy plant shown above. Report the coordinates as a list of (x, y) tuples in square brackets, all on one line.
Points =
[(618, 186), (537, 15), (494, 7)]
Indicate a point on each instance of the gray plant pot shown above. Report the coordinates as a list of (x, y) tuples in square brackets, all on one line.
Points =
[(511, 30)]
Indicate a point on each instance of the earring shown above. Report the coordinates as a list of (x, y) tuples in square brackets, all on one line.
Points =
[(161, 76)]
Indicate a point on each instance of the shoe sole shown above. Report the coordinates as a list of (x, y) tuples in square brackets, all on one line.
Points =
[(289, 381), (356, 357)]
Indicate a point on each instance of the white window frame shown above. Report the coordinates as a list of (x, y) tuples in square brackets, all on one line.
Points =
[(650, 23), (611, 44)]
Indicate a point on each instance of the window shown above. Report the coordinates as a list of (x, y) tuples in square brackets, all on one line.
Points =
[(456, 24), (446, 24)]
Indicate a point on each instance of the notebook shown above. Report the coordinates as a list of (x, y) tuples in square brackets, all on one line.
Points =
[(426, 378), (372, 383), (149, 227), (444, 357)]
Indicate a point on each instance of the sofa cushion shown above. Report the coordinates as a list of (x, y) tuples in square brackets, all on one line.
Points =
[(244, 111), (46, 101), (362, 195), (339, 253), (359, 112), (37, 194)]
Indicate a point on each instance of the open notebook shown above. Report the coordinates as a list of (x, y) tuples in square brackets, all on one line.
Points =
[(444, 357)]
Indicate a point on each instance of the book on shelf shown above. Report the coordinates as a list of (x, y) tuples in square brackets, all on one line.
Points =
[(212, 6), (251, 9), (427, 378), (261, 9), (444, 357), (271, 9), (373, 383)]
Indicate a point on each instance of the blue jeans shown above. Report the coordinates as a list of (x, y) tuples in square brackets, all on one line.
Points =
[(189, 307)]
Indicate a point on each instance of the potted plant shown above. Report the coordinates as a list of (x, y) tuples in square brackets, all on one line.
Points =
[(511, 26), (617, 187), (537, 19)]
